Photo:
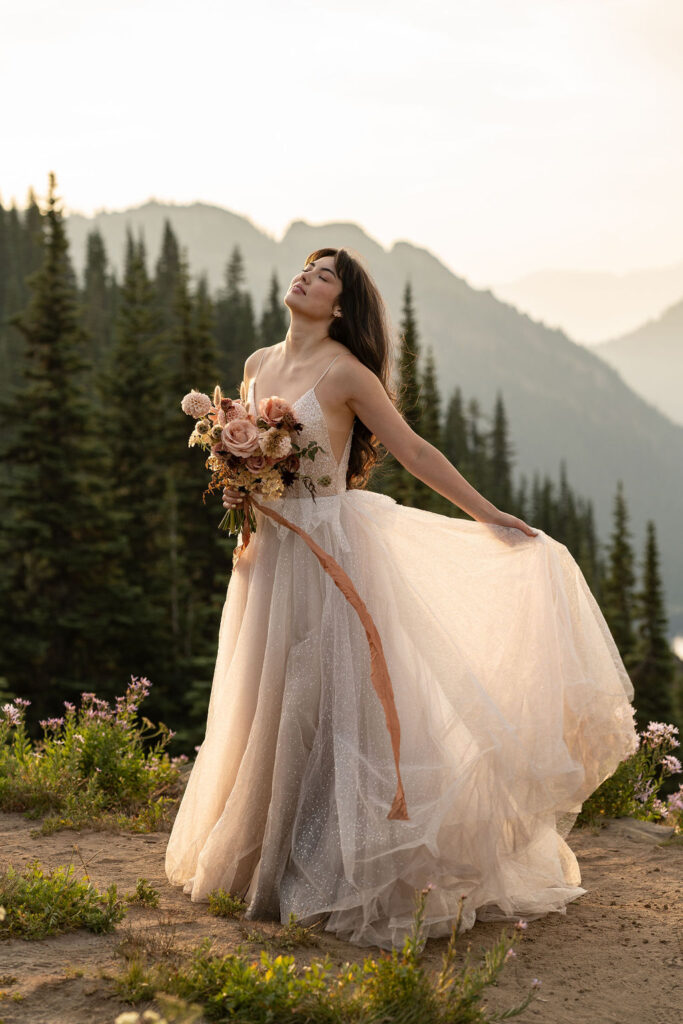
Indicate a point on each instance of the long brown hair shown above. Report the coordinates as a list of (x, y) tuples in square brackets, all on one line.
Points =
[(363, 328)]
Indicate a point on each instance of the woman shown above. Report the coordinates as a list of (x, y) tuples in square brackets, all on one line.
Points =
[(513, 702)]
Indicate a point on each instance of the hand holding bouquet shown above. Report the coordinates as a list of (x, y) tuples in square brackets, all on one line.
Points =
[(249, 454)]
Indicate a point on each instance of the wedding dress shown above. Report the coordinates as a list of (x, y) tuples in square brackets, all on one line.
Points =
[(513, 703)]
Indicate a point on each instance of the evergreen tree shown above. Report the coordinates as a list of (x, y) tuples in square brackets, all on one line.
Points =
[(455, 434), (409, 352), (653, 671), (166, 276), (98, 299), (235, 326), (500, 472), (430, 429), (61, 582), (135, 398), (619, 583), (273, 326)]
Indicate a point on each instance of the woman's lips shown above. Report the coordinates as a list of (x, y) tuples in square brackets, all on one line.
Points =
[(298, 288)]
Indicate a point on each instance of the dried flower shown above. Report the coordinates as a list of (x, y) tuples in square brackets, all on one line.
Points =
[(196, 404), (276, 444)]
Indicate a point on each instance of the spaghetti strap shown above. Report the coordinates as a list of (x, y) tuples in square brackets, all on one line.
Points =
[(324, 372)]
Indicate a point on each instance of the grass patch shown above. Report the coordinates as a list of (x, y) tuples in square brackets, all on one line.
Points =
[(38, 903), (97, 766), (396, 987)]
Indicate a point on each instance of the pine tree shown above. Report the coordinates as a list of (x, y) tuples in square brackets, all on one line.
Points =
[(273, 326), (135, 395), (653, 662), (61, 582), (98, 299), (619, 583), (235, 327), (455, 434), (502, 452), (408, 360), (166, 276)]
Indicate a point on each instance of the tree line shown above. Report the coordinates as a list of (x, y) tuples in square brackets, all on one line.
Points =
[(112, 565)]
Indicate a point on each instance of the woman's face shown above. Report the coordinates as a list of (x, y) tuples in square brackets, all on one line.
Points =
[(314, 290)]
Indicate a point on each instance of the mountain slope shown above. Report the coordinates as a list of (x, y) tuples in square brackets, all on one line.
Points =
[(594, 305), (651, 361), (563, 401)]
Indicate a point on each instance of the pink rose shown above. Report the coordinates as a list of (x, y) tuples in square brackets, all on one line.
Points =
[(273, 409), (241, 437), (256, 464)]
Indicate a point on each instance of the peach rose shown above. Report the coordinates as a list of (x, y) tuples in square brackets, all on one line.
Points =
[(241, 437), (274, 409), (256, 464)]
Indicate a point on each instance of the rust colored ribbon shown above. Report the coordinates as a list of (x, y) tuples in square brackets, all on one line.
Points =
[(379, 672)]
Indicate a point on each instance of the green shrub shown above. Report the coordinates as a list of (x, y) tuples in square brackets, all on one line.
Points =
[(224, 904), (94, 766), (632, 790), (143, 894), (39, 903)]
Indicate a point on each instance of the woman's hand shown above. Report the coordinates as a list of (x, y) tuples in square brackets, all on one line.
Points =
[(505, 519), (232, 499)]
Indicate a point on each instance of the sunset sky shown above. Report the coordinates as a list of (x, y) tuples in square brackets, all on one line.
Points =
[(504, 137)]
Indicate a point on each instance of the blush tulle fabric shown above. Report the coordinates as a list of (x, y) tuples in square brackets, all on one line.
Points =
[(513, 701)]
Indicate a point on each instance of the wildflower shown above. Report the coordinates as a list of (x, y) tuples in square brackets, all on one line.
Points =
[(510, 954), (659, 807), (521, 925), (12, 714), (22, 702), (671, 765), (660, 734), (196, 404), (51, 723), (535, 983)]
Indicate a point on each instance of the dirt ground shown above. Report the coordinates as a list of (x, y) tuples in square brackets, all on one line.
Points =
[(614, 957)]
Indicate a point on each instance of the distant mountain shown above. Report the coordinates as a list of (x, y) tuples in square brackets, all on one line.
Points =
[(563, 401), (592, 306), (651, 361)]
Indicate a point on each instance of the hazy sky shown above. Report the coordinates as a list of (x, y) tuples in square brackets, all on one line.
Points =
[(504, 135)]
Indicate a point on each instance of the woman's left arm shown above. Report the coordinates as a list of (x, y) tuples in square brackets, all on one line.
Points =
[(368, 400)]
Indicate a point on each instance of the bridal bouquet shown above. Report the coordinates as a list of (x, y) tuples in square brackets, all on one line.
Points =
[(251, 454)]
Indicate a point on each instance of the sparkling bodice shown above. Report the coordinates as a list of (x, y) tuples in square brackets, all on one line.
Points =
[(328, 475)]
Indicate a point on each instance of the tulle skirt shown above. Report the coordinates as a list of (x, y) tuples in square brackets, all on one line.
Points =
[(513, 701)]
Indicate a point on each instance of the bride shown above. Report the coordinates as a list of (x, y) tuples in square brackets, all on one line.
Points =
[(511, 701)]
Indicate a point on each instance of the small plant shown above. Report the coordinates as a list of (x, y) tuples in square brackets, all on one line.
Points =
[(39, 903), (395, 987), (224, 904), (296, 934), (143, 894), (95, 766), (632, 790)]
